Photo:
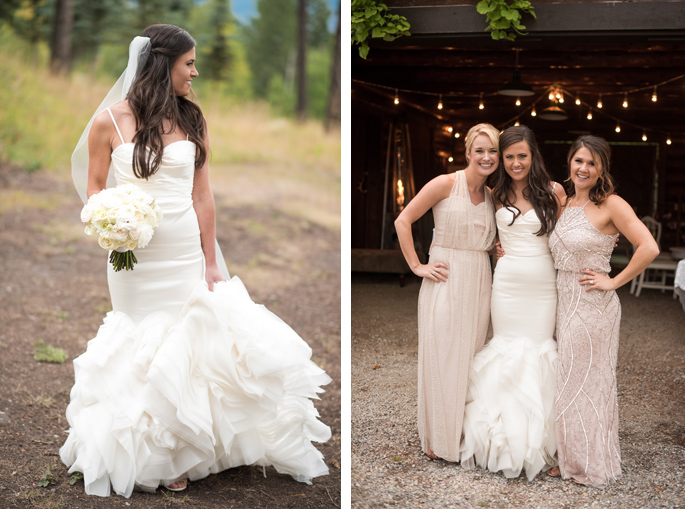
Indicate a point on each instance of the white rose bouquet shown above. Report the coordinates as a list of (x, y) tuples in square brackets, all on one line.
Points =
[(123, 218)]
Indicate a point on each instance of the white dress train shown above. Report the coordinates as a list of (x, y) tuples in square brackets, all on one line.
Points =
[(509, 416), (181, 382)]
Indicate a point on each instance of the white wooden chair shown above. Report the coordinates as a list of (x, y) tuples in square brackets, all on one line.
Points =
[(657, 273)]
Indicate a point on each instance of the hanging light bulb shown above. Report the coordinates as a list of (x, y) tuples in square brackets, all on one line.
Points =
[(456, 135), (654, 94), (561, 97), (625, 100), (481, 105), (450, 159), (440, 102), (618, 127), (517, 123), (577, 100), (668, 139), (533, 113), (589, 114), (449, 129), (551, 95), (599, 102), (397, 99), (518, 101), (644, 136)]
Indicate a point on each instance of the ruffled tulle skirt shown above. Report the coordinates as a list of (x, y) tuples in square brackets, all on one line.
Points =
[(222, 384), (509, 416)]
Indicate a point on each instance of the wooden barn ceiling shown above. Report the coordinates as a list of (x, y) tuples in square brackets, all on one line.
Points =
[(582, 63)]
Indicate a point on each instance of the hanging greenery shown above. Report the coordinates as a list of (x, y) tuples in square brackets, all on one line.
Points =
[(503, 17), (371, 17)]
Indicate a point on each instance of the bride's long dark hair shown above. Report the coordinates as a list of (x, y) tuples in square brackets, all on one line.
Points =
[(538, 190), (153, 100)]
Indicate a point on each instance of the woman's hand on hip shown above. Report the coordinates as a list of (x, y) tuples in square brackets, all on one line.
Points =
[(434, 271), (592, 280)]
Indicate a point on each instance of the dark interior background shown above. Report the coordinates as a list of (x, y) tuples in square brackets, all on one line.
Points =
[(584, 49)]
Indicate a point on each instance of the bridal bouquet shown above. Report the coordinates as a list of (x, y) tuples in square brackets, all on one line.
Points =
[(123, 218)]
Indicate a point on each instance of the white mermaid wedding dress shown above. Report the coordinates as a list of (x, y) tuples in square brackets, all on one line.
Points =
[(181, 382), (509, 416)]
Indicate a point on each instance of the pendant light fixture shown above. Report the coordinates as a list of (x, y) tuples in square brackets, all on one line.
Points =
[(516, 87)]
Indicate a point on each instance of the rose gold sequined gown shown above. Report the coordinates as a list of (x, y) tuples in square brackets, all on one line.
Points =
[(587, 334), (453, 316)]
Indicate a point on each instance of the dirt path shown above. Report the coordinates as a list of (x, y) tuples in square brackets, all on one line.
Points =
[(388, 468), (53, 288)]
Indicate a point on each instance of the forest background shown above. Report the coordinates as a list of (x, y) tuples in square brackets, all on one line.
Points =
[(241, 60)]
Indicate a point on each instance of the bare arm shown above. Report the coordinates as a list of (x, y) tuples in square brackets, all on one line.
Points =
[(624, 219), (203, 202), (437, 189), (99, 153), (560, 196)]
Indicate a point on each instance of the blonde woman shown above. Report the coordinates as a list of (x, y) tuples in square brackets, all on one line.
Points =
[(454, 301)]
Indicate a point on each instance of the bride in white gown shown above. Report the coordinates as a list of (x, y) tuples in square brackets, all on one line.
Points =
[(509, 415), (187, 376)]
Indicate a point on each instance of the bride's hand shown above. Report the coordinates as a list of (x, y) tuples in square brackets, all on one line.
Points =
[(434, 271), (213, 275)]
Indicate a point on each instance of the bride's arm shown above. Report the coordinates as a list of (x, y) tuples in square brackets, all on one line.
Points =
[(99, 153), (203, 202)]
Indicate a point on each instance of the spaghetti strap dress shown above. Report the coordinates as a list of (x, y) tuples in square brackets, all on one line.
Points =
[(181, 382)]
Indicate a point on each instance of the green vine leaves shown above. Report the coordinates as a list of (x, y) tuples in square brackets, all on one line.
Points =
[(371, 17), (504, 17)]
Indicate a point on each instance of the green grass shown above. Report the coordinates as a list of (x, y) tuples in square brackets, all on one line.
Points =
[(47, 353)]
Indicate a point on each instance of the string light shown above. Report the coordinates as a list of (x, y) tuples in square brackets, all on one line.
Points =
[(533, 113), (397, 99), (668, 139), (440, 102), (654, 94), (517, 123), (450, 159), (618, 127), (589, 114), (577, 100), (449, 129), (644, 136), (481, 105), (518, 101), (456, 135), (625, 100), (599, 102)]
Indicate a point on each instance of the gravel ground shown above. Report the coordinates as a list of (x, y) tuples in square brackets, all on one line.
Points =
[(389, 469)]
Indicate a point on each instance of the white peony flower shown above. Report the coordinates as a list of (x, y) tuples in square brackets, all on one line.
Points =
[(145, 236)]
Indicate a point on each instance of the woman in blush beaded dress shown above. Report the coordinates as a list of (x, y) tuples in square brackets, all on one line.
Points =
[(187, 376), (454, 311), (509, 416), (589, 313)]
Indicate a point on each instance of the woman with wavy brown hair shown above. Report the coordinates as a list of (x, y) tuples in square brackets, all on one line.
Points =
[(589, 313), (187, 376), (509, 415)]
